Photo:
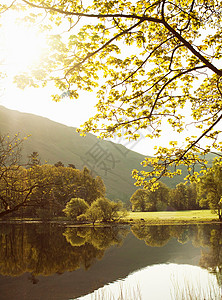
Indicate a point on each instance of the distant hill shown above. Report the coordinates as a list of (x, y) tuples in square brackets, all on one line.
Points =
[(56, 142)]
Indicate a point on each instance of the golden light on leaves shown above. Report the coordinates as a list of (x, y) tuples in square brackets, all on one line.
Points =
[(147, 61)]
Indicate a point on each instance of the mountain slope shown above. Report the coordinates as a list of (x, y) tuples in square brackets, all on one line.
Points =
[(56, 142)]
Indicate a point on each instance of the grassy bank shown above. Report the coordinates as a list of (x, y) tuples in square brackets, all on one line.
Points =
[(155, 218), (172, 217)]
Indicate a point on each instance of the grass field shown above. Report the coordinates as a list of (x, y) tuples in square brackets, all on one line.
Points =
[(154, 218), (171, 217)]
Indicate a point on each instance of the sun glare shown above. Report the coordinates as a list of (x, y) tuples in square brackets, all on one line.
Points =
[(22, 47)]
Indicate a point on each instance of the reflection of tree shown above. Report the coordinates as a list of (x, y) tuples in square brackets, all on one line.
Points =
[(43, 249), (208, 237), (100, 237), (155, 236), (212, 259), (158, 236)]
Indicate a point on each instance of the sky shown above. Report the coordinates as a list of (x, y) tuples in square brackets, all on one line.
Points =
[(21, 48), (162, 281)]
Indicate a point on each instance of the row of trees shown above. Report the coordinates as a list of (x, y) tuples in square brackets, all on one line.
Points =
[(41, 190), (206, 193), (45, 190), (183, 197)]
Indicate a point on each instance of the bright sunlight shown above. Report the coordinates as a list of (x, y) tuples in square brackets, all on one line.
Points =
[(22, 48)]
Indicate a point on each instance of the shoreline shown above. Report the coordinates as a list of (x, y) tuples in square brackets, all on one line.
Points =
[(118, 223), (133, 218)]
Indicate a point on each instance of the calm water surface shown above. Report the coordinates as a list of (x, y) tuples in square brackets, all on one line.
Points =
[(55, 262)]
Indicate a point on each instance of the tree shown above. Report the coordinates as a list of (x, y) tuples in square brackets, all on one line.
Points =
[(148, 62), (90, 188), (92, 214), (158, 199), (139, 199), (44, 190), (59, 164), (71, 166), (192, 202), (75, 207), (184, 197), (103, 210), (10, 151), (34, 159), (15, 190), (145, 200), (210, 188)]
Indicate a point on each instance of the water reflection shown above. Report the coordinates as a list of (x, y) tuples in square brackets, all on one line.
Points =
[(164, 281), (158, 236), (99, 237), (49, 249), (88, 258), (209, 237)]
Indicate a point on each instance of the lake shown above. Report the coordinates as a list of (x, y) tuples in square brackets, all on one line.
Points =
[(58, 262)]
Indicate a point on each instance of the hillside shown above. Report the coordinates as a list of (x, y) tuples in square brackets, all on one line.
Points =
[(56, 142)]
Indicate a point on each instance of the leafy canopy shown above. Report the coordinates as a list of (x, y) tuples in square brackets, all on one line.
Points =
[(148, 61), (210, 188)]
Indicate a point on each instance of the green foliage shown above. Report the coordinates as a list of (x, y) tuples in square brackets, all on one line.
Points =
[(103, 210), (34, 159), (210, 188), (41, 190), (14, 187), (184, 197), (75, 207), (59, 164), (144, 59), (139, 199), (145, 200), (206, 193), (90, 188)]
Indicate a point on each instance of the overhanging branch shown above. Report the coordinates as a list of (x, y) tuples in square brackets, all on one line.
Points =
[(188, 45)]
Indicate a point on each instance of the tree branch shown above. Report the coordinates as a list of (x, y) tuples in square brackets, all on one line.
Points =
[(188, 45), (8, 7), (200, 137), (103, 46), (143, 63), (70, 13), (169, 81)]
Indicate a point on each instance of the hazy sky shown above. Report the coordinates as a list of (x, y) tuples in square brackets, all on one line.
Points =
[(22, 47)]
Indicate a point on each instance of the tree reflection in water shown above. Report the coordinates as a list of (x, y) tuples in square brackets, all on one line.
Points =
[(209, 237), (46, 249), (49, 249)]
